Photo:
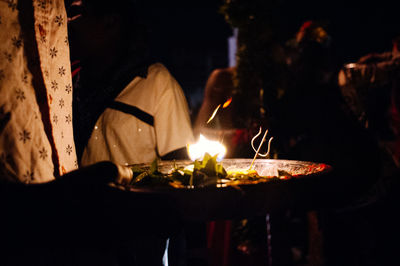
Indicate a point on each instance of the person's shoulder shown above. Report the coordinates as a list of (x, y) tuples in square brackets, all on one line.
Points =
[(160, 79), (223, 73), (221, 80), (159, 70)]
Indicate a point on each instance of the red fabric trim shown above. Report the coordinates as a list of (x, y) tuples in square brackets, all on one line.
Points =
[(75, 67), (219, 242)]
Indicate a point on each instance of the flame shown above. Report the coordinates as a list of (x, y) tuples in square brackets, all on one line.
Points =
[(197, 150), (227, 103), (213, 114)]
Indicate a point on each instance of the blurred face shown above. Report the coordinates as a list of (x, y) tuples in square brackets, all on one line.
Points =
[(90, 35)]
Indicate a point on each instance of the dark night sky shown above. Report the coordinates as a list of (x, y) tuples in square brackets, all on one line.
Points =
[(190, 38)]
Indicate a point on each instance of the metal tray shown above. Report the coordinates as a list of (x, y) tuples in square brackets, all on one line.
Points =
[(214, 203)]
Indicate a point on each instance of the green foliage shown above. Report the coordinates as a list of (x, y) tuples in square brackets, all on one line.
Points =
[(149, 177), (209, 166), (205, 172), (154, 166)]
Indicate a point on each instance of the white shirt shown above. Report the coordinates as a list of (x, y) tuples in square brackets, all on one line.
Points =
[(124, 139)]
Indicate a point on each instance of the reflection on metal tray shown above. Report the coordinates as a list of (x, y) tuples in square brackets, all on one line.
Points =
[(264, 167), (211, 203)]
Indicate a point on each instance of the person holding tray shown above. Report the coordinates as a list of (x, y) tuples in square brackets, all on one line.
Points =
[(128, 108), (53, 213)]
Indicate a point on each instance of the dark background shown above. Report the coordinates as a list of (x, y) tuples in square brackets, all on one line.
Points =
[(190, 37)]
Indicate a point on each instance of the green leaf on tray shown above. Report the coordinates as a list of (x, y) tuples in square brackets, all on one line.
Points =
[(154, 166), (206, 172), (209, 166)]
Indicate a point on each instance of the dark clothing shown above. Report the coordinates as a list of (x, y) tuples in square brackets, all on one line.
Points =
[(86, 222)]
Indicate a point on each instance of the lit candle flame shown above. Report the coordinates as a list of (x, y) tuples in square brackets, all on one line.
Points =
[(227, 103), (213, 114), (197, 150)]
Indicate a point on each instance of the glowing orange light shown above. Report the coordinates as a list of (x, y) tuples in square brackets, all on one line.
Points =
[(227, 103), (204, 145), (214, 113)]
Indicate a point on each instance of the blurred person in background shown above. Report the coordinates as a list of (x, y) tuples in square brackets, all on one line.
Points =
[(312, 125), (371, 88)]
